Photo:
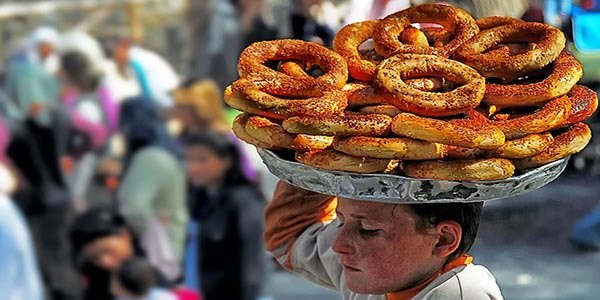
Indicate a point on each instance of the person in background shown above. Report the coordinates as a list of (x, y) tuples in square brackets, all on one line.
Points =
[(36, 148), (155, 75), (199, 107), (125, 76), (229, 209), (102, 241), (135, 280), (151, 194), (20, 277), (309, 23), (29, 81), (93, 111)]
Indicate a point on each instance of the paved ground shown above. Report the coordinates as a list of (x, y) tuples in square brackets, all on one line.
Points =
[(523, 241)]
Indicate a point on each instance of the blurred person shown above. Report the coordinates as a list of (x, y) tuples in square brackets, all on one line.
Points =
[(155, 75), (102, 241), (218, 42), (486, 8), (252, 22), (199, 107), (20, 277), (376, 250), (228, 208), (93, 110), (135, 280), (36, 149), (306, 24), (151, 194), (43, 42), (125, 77), (362, 10), (29, 75)]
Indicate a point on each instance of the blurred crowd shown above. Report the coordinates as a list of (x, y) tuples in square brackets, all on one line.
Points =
[(120, 178)]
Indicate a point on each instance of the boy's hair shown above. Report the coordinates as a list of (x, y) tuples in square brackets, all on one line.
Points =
[(467, 215), (136, 276)]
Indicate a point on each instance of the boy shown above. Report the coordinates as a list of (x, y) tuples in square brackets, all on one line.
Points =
[(372, 251)]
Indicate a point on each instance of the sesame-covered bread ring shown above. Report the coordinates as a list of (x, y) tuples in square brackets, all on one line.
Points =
[(474, 131), (239, 129), (394, 70), (518, 148), (549, 43), (329, 102), (268, 132), (462, 170), (382, 109), (584, 102), (494, 21), (346, 43), (565, 72), (551, 115), (337, 161), (455, 20), (573, 140), (349, 124), (252, 66), (390, 148)]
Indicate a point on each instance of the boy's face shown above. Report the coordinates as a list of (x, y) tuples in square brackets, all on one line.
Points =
[(380, 248)]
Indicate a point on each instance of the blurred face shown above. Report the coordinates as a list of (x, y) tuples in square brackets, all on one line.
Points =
[(45, 49), (380, 248), (121, 54), (109, 252), (204, 167)]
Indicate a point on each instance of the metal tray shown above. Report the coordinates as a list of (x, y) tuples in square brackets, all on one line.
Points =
[(400, 189)]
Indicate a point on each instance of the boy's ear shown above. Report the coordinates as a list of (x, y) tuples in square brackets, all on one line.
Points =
[(449, 238)]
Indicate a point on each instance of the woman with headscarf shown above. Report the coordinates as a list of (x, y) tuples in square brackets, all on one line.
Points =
[(152, 192)]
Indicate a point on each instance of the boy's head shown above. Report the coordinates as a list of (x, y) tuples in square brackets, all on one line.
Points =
[(390, 247), (135, 278)]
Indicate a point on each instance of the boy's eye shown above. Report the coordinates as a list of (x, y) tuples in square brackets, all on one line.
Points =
[(368, 232)]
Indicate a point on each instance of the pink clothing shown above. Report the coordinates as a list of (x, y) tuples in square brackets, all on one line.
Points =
[(362, 10)]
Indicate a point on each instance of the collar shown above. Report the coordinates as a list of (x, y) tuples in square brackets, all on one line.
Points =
[(410, 293)]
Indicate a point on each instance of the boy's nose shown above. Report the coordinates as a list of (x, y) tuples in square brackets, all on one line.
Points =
[(341, 243)]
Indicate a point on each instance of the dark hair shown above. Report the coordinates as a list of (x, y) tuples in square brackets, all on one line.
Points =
[(223, 146), (467, 215), (137, 276), (78, 69)]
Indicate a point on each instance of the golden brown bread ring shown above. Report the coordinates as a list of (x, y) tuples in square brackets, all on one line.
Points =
[(565, 72), (390, 148), (519, 148), (573, 140), (462, 170), (312, 142), (584, 102), (550, 42), (349, 124), (551, 115), (456, 20), (495, 21), (337, 161), (293, 68), (393, 70), (332, 101), (269, 133), (413, 36), (242, 104), (475, 131), (239, 129), (388, 110), (252, 66), (346, 43), (363, 94), (437, 36)]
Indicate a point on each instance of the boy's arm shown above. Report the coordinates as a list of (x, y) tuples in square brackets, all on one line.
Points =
[(298, 234)]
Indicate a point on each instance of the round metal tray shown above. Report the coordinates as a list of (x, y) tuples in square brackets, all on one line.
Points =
[(400, 189)]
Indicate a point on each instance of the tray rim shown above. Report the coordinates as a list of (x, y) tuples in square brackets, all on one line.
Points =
[(527, 178)]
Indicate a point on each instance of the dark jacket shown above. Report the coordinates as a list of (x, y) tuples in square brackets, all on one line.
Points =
[(232, 257)]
